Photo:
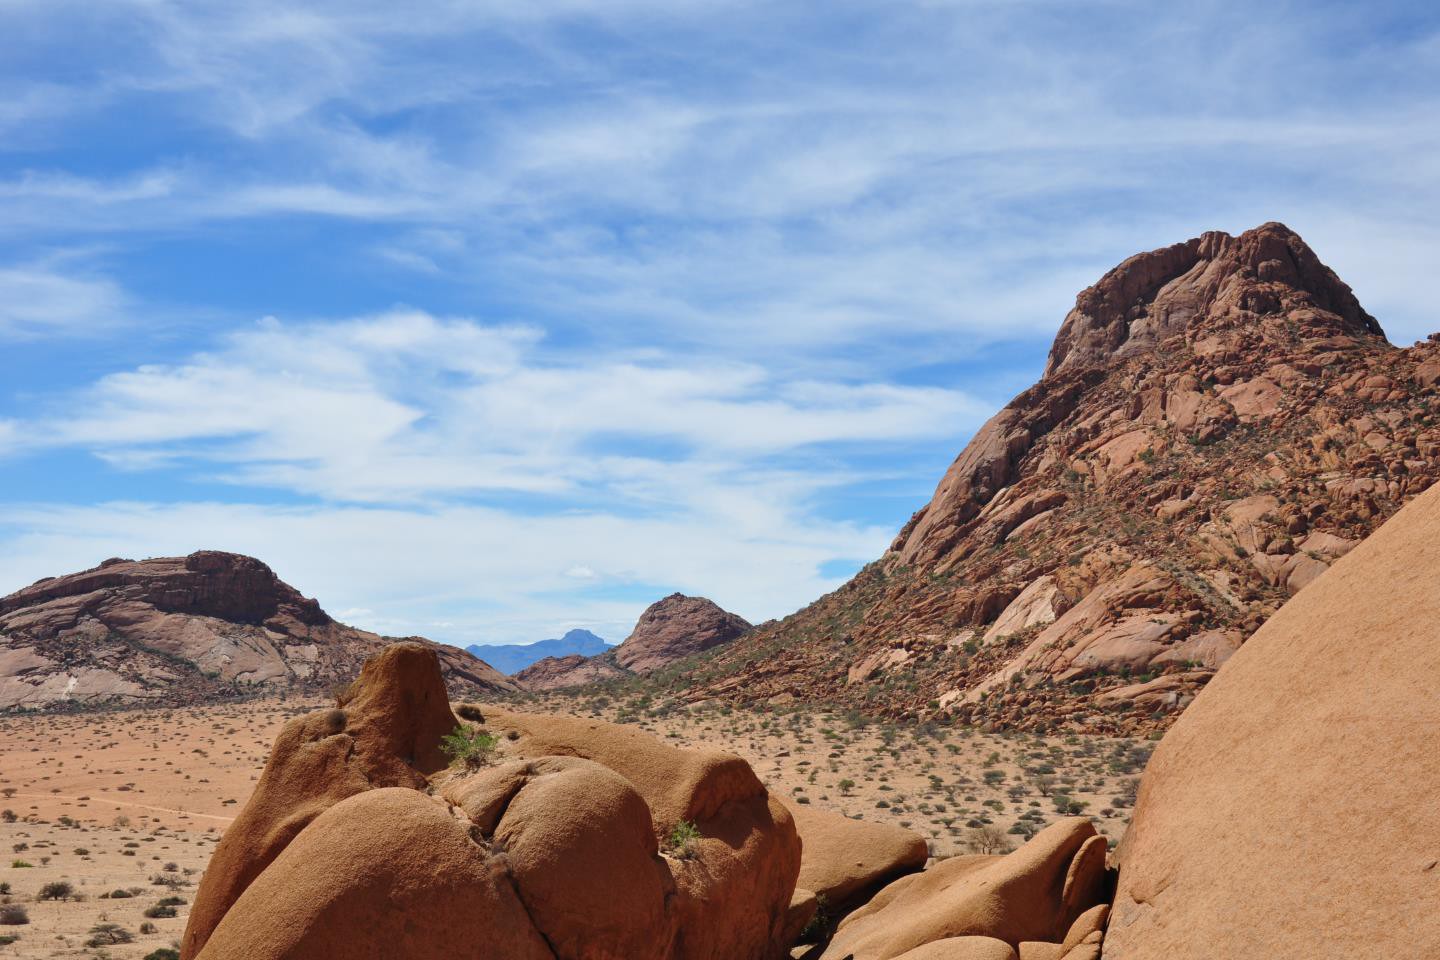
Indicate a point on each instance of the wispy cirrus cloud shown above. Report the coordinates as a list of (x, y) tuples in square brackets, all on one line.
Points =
[(698, 284)]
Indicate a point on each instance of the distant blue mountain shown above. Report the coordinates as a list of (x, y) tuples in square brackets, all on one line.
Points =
[(514, 657)]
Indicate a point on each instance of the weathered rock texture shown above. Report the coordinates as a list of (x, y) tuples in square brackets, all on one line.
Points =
[(183, 629), (670, 629), (559, 849), (1219, 422), (1291, 811), (1036, 894), (554, 673), (844, 860), (675, 627)]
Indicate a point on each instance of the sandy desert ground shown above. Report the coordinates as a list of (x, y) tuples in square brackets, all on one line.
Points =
[(126, 806)]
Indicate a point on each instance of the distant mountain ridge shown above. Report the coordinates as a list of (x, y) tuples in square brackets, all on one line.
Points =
[(181, 630), (514, 657), (672, 628)]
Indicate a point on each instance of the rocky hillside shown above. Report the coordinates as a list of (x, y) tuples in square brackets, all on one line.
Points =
[(180, 630), (1219, 421), (670, 629)]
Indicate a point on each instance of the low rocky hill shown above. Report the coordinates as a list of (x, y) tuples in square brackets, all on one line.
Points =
[(670, 629), (182, 630), (1219, 421)]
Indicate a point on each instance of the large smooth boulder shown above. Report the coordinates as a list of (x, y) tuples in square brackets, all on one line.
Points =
[(360, 842), (381, 875), (737, 885), (1035, 893), (841, 858), (1292, 812), (386, 735)]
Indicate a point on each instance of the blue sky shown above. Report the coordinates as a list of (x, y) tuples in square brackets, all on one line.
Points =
[(488, 320)]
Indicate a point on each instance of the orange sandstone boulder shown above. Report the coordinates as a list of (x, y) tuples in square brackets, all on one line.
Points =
[(841, 858), (1035, 893), (1291, 811), (384, 874), (962, 948), (736, 884), (359, 843), (386, 735)]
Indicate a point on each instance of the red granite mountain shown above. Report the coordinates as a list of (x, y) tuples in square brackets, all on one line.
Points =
[(181, 630), (1219, 421), (671, 629)]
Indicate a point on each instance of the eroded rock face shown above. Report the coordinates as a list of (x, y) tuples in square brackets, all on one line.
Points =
[(1291, 812), (676, 627), (182, 629), (575, 670), (1219, 422), (1036, 894), (359, 843)]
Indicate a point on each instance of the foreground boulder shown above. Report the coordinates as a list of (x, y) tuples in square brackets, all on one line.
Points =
[(1037, 893), (387, 734), (843, 859), (1291, 812), (577, 839)]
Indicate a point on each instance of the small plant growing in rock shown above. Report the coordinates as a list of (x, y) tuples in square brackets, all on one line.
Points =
[(682, 840), (468, 747)]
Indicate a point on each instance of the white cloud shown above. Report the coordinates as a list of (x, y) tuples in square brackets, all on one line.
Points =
[(40, 300), (496, 576), (409, 406), (634, 474)]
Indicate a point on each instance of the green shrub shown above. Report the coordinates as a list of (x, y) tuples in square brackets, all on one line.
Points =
[(157, 912), (682, 839), (468, 747), (108, 935), (164, 953), (57, 890)]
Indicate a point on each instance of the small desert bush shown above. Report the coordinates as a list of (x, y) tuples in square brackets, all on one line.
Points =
[(108, 935), (158, 912), (468, 747), (57, 890), (681, 842), (164, 953), (13, 915)]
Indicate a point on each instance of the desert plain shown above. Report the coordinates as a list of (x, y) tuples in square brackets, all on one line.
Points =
[(110, 817)]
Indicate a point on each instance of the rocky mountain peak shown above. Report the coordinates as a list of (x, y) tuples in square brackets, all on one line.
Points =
[(1220, 421), (207, 583), (178, 629), (1266, 279), (674, 627)]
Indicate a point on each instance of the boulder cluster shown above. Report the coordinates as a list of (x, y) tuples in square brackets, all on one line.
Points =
[(1289, 814), (575, 838)]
